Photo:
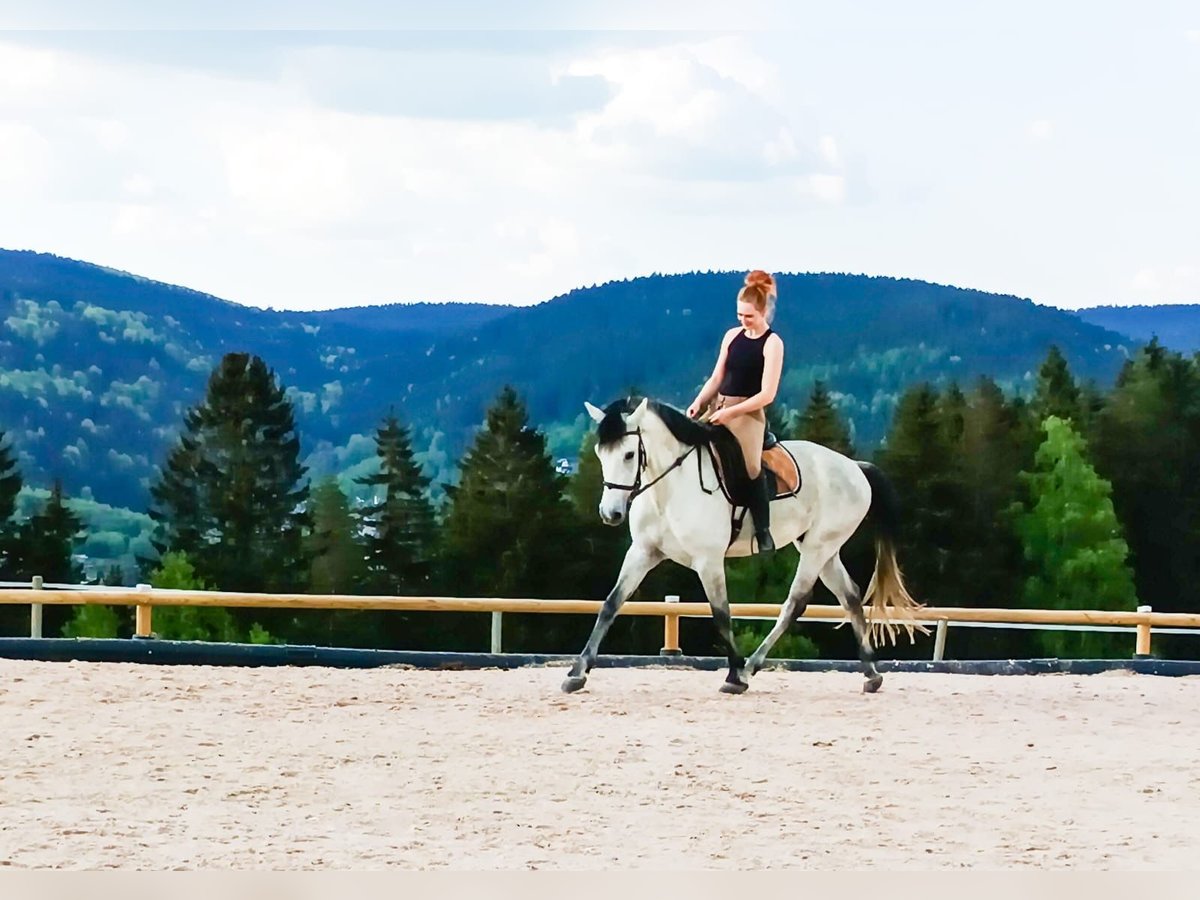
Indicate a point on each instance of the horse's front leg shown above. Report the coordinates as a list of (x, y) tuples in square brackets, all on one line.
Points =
[(712, 577), (638, 561)]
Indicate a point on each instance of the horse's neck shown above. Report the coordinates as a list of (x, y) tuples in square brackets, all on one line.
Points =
[(662, 448)]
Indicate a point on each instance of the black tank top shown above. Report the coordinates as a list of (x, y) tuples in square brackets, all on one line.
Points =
[(744, 365)]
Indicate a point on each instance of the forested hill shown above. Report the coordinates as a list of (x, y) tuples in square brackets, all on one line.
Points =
[(97, 367), (1175, 325)]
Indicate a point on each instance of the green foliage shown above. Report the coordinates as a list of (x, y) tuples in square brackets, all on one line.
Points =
[(748, 635), (923, 460), (338, 564), (45, 543), (509, 530), (398, 521), (1073, 543), (821, 423), (10, 487), (1147, 444), (230, 493), (1056, 393), (188, 623), (94, 621)]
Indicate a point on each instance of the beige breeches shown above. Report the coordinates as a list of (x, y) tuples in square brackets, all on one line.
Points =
[(749, 429)]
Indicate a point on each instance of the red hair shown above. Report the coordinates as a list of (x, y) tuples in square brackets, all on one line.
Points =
[(759, 289)]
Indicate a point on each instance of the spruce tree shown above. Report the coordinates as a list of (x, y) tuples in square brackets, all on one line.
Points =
[(821, 423), (924, 463), (1056, 393), (1073, 543), (10, 486), (509, 529), (230, 494), (47, 541), (338, 558), (994, 446), (1147, 444), (398, 525)]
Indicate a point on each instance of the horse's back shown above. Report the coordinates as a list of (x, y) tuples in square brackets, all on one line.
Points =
[(832, 482)]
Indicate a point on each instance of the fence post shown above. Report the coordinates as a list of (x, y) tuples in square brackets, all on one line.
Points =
[(939, 640), (671, 630), (35, 611), (1142, 650), (143, 616), (497, 629)]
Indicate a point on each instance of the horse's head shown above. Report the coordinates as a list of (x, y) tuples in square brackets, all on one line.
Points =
[(622, 456)]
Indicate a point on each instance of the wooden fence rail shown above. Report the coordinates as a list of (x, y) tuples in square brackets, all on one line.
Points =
[(144, 599)]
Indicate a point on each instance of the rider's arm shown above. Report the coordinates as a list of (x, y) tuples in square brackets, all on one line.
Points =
[(709, 390), (772, 369)]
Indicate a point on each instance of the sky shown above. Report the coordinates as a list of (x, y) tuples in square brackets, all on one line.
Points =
[(284, 155)]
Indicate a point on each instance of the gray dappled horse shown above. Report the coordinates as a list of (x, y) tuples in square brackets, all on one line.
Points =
[(678, 515)]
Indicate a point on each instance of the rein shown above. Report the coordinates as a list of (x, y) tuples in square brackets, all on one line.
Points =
[(638, 488)]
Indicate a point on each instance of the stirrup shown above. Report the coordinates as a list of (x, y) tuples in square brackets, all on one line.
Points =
[(766, 544)]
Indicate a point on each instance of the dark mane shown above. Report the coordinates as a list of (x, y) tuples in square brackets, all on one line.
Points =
[(683, 429), (686, 431), (612, 426)]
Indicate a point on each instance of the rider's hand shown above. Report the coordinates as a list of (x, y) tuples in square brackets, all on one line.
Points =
[(693, 410), (718, 417)]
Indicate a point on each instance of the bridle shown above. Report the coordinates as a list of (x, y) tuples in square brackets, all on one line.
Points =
[(637, 487)]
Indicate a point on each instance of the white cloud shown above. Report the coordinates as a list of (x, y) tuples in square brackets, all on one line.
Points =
[(1040, 129), (1193, 35), (24, 156), (1167, 284), (829, 150)]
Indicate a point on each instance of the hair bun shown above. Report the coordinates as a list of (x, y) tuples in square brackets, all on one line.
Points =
[(760, 279)]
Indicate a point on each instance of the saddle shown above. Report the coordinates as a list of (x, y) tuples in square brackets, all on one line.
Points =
[(779, 468)]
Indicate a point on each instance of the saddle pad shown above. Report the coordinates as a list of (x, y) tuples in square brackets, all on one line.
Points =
[(787, 473)]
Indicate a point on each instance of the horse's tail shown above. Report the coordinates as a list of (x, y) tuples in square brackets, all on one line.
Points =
[(889, 605)]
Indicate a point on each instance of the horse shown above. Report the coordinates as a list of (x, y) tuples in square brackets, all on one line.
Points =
[(644, 452)]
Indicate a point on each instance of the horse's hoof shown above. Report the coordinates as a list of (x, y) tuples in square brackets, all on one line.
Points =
[(734, 687), (573, 683), (872, 684)]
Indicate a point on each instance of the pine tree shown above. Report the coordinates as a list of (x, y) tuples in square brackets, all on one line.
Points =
[(1073, 542), (399, 525), (509, 530), (230, 494), (821, 423)]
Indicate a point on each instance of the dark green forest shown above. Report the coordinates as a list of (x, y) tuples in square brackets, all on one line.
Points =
[(1072, 498)]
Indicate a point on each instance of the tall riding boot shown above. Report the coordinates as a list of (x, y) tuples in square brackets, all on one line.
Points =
[(760, 509)]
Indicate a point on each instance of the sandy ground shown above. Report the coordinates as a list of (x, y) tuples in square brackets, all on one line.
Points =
[(144, 767)]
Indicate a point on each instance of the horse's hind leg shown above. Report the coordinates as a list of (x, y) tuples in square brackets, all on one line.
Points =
[(793, 607), (838, 580), (638, 561), (712, 577)]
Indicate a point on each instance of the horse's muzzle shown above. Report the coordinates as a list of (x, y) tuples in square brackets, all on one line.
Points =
[(612, 517)]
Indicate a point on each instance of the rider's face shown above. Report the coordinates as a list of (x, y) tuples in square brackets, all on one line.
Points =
[(750, 317)]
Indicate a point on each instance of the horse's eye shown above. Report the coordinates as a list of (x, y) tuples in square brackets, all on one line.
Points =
[(629, 456)]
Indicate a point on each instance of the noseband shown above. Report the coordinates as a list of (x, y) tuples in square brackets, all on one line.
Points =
[(637, 487)]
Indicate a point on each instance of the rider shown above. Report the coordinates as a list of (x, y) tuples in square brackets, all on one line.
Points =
[(744, 382)]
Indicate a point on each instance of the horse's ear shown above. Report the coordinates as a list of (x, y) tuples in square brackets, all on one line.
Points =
[(597, 414), (635, 417)]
